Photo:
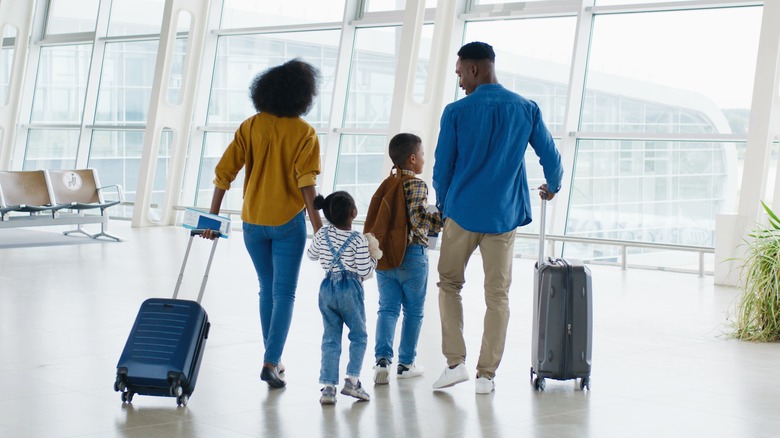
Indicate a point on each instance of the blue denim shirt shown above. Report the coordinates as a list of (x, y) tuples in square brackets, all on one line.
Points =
[(479, 172)]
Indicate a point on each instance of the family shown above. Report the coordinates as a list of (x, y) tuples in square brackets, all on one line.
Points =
[(482, 196)]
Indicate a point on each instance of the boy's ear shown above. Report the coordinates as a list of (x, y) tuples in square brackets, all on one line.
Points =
[(354, 213)]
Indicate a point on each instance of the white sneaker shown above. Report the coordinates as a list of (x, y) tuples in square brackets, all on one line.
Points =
[(485, 385), (381, 371), (451, 376), (409, 371)]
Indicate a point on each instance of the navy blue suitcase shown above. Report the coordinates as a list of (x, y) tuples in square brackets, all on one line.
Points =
[(164, 349), (562, 340)]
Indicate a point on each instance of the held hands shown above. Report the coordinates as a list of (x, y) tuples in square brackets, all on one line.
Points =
[(373, 246), (544, 193)]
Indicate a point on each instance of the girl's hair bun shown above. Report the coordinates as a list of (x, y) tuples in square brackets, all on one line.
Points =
[(319, 202)]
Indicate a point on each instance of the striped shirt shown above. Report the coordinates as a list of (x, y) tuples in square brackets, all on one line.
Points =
[(355, 257), (421, 221)]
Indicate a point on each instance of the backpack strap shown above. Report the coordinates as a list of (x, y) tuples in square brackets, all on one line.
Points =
[(337, 254)]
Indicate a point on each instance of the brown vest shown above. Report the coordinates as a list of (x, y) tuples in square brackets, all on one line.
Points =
[(388, 220)]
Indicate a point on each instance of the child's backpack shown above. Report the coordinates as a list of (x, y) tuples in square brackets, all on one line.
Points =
[(388, 220)]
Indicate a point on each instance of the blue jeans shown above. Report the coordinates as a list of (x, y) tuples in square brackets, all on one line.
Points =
[(341, 303), (403, 287), (276, 253)]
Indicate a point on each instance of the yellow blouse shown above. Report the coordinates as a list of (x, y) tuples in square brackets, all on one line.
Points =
[(281, 155)]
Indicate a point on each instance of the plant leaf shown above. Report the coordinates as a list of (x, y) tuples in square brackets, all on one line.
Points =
[(773, 219)]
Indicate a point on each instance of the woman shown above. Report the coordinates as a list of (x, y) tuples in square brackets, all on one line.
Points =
[(280, 153)]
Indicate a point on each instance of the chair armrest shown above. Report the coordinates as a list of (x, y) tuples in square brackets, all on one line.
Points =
[(119, 191)]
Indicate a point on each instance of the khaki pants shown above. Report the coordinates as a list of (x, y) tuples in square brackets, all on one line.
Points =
[(497, 250)]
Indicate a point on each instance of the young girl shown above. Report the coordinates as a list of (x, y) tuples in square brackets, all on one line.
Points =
[(344, 254)]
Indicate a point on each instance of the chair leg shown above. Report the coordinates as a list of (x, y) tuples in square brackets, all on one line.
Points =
[(103, 228), (78, 230)]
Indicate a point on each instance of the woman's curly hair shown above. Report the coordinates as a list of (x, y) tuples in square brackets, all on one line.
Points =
[(287, 90)]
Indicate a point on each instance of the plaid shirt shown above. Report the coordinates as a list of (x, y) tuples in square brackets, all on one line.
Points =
[(421, 221)]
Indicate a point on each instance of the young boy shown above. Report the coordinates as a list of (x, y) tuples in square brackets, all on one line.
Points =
[(405, 286)]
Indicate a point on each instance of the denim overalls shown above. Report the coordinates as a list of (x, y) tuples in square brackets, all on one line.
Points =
[(341, 303)]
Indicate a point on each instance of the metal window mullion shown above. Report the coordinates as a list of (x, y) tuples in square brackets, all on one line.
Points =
[(93, 85), (331, 146), (574, 102), (684, 5), (551, 8), (309, 27)]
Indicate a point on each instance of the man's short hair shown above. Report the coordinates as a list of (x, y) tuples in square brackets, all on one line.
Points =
[(402, 146), (477, 51)]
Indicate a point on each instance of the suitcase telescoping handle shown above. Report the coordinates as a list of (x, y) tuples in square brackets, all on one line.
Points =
[(542, 223), (194, 233)]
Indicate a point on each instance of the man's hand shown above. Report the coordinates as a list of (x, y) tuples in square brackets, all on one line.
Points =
[(544, 193)]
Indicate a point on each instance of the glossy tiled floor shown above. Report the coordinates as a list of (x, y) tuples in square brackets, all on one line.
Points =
[(661, 366)]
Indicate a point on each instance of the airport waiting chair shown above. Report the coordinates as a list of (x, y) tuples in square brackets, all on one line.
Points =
[(25, 191), (80, 190)]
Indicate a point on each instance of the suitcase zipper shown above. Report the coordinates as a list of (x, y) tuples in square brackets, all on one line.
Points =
[(567, 318)]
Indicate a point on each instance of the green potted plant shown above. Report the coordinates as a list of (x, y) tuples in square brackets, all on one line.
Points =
[(758, 309)]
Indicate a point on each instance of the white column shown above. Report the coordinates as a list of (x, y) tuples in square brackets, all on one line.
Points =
[(764, 126), (170, 115), (422, 118), (17, 15)]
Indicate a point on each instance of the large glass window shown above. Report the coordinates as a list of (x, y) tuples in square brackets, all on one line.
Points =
[(649, 191), (116, 154), (696, 76), (139, 17), (214, 144), (241, 58), (392, 5), (61, 84), (127, 78), (493, 2), (621, 2), (257, 13), (372, 78), (538, 69), (360, 167), (51, 149), (71, 16)]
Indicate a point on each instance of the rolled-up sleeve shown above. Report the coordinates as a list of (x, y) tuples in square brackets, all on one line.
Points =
[(307, 163), (232, 161)]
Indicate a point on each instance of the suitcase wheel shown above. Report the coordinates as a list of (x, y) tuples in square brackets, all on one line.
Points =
[(127, 396), (182, 400), (585, 383), (120, 384), (539, 383), (176, 390)]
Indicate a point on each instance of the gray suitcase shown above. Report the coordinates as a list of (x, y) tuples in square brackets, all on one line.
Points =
[(563, 319)]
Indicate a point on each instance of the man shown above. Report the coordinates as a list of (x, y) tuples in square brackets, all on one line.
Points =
[(482, 191)]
